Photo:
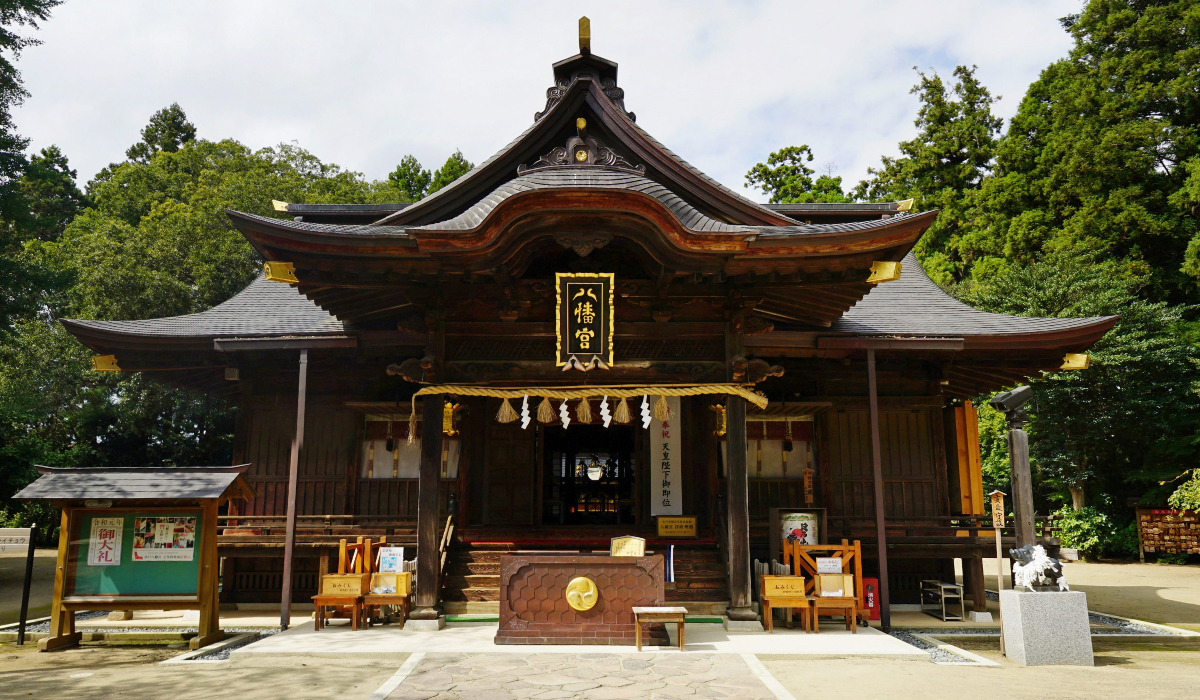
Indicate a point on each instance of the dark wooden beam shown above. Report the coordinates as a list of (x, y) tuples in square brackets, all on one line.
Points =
[(738, 507), (285, 608), (885, 612), (428, 565), (314, 342), (860, 343)]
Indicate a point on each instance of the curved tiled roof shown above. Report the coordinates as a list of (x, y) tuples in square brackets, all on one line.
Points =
[(582, 176), (263, 308), (913, 305)]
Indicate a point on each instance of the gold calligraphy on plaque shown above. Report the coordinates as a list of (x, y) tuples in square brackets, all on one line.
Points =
[(584, 313)]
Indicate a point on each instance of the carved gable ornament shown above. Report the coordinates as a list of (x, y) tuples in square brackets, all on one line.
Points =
[(584, 314)]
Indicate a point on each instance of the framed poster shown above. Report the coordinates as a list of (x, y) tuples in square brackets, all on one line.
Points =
[(149, 552), (804, 525), (164, 538), (584, 317)]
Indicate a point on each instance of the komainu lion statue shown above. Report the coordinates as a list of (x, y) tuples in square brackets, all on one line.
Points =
[(1033, 567)]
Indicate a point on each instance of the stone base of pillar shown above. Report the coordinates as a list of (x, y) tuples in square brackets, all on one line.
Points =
[(737, 625), (979, 616), (431, 625)]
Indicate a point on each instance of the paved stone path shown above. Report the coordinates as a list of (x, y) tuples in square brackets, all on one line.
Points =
[(587, 676)]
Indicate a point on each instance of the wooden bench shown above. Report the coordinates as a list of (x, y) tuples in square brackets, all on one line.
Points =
[(644, 615)]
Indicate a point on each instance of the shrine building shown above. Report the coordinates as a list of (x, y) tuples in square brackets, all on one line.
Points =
[(586, 337)]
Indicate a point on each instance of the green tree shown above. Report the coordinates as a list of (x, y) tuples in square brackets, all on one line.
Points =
[(1106, 432), (48, 186), (455, 167), (786, 178), (410, 179), (19, 280), (1102, 152), (168, 130), (943, 167)]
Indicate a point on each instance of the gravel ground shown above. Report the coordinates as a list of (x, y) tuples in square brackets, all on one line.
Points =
[(937, 655)]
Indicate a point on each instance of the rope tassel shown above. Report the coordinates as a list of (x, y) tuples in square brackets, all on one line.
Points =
[(545, 412), (621, 415), (506, 414), (584, 411), (661, 411)]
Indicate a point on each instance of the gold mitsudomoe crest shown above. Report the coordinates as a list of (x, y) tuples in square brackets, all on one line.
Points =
[(581, 593)]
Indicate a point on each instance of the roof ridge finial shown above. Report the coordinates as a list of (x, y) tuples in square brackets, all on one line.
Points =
[(585, 36)]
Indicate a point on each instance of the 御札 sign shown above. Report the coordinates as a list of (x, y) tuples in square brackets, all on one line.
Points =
[(584, 317), (104, 542)]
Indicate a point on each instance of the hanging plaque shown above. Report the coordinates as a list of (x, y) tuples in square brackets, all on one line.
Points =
[(585, 318)]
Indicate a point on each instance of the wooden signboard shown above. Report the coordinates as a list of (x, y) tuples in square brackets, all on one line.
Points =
[(584, 328), (783, 586), (628, 547), (141, 554), (676, 526), (346, 584)]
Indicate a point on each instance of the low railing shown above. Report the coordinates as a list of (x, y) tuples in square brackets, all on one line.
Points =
[(957, 526)]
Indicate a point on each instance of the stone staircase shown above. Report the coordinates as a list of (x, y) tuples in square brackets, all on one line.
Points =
[(471, 584)]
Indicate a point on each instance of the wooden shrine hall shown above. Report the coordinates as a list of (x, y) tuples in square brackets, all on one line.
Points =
[(497, 367)]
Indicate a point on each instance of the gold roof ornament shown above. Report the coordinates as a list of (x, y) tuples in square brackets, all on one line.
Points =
[(905, 204), (280, 272), (884, 271), (105, 363), (278, 205), (585, 35), (1076, 360)]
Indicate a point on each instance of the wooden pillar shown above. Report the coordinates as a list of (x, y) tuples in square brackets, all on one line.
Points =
[(210, 606), (62, 621), (885, 612), (738, 509), (289, 543), (738, 506), (425, 603), (1022, 482), (973, 577)]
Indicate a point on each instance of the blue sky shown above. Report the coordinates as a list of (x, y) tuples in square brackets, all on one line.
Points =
[(363, 83)]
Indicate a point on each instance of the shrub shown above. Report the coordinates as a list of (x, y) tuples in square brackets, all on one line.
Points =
[(1094, 533)]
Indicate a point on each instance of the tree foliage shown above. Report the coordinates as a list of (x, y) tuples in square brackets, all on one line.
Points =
[(942, 168), (410, 179), (1124, 422), (168, 131), (786, 178), (455, 167)]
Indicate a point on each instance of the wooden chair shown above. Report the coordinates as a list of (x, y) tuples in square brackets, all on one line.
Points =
[(788, 593), (847, 605), (376, 602), (802, 558), (352, 559)]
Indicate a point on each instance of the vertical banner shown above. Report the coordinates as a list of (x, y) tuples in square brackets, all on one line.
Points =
[(104, 542), (584, 328), (666, 483)]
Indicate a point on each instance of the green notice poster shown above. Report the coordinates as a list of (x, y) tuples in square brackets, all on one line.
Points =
[(157, 553)]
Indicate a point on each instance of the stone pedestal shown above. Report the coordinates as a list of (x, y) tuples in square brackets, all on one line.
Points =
[(979, 616), (431, 625), (1046, 628)]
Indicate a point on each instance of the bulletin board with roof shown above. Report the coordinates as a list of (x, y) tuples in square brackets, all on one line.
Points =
[(136, 539)]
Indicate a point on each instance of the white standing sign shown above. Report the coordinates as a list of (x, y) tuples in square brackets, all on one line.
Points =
[(666, 463), (14, 540), (104, 542)]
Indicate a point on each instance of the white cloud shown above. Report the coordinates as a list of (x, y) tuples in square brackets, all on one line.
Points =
[(362, 84)]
